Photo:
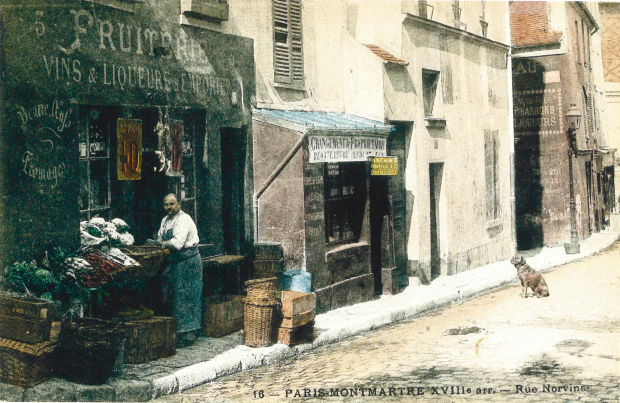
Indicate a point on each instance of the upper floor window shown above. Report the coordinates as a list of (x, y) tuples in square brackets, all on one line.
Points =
[(430, 79), (287, 44)]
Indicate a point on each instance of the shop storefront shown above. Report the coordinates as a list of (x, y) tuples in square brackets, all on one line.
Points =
[(337, 222), (106, 109)]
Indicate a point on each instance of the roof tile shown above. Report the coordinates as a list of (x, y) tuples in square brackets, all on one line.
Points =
[(388, 57)]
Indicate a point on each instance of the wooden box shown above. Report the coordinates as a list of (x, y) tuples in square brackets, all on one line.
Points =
[(33, 309), (296, 303), (296, 335), (222, 315), (149, 339), (24, 364), (297, 320), (27, 330)]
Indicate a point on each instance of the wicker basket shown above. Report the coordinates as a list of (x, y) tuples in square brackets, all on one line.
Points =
[(150, 257), (88, 350), (262, 291), (25, 364), (259, 328)]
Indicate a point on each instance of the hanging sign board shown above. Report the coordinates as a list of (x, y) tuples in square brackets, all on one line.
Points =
[(345, 148), (129, 149), (383, 166)]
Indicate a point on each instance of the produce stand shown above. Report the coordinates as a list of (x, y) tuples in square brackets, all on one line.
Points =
[(100, 281)]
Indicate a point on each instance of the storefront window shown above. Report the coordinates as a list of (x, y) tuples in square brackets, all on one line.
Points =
[(94, 150), (345, 200)]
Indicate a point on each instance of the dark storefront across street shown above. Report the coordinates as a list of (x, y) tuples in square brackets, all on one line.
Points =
[(104, 111), (342, 223)]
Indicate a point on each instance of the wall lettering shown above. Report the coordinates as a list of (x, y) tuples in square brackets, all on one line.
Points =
[(42, 160)]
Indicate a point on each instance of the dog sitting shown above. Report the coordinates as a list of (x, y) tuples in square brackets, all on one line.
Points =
[(529, 278)]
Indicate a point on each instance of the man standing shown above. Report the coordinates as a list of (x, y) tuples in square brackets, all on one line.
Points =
[(182, 278)]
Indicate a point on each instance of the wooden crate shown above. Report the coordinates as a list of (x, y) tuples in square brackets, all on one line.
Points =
[(33, 309), (222, 315), (24, 364), (296, 335), (149, 339), (27, 330), (295, 303), (297, 320)]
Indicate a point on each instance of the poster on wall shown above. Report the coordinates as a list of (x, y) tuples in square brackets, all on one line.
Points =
[(129, 149)]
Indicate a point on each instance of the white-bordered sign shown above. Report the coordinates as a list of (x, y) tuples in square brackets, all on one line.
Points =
[(345, 148)]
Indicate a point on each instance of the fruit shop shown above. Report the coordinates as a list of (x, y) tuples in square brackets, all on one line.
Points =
[(106, 107)]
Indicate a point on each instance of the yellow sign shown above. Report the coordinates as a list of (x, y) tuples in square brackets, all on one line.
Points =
[(129, 149), (384, 166)]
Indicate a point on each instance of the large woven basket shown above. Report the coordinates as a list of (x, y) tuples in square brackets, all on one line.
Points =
[(150, 257), (88, 350), (261, 291), (24, 364), (259, 324)]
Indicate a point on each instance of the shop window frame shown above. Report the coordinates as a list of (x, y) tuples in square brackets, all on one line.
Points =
[(348, 208), (86, 159)]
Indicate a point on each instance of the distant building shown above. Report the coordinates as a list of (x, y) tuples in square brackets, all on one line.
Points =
[(610, 48), (556, 63)]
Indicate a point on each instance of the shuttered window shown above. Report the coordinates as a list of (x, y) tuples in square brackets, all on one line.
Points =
[(287, 45)]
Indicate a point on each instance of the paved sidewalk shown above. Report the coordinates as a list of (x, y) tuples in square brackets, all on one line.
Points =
[(211, 358)]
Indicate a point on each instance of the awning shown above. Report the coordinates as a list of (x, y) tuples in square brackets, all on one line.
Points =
[(332, 137)]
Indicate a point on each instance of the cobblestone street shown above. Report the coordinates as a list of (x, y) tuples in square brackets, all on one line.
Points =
[(499, 347)]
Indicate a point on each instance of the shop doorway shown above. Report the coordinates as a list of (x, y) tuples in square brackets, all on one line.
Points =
[(233, 153), (435, 172), (380, 225)]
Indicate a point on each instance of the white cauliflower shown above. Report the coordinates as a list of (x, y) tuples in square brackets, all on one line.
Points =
[(126, 239), (119, 223), (98, 221)]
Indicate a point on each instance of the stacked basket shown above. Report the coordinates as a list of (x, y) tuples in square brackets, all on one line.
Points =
[(259, 312)]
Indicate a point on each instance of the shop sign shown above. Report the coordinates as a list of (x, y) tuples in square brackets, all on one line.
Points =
[(129, 149), (383, 166), (345, 148)]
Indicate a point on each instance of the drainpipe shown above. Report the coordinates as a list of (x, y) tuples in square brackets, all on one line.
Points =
[(272, 177)]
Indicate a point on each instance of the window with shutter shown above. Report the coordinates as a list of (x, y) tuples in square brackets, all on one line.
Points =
[(287, 44), (591, 113)]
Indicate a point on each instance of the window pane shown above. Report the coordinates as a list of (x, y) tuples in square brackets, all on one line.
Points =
[(83, 196), (98, 138), (99, 184)]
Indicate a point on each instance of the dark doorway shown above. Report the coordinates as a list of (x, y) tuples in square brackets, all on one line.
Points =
[(379, 222), (233, 148), (435, 172)]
